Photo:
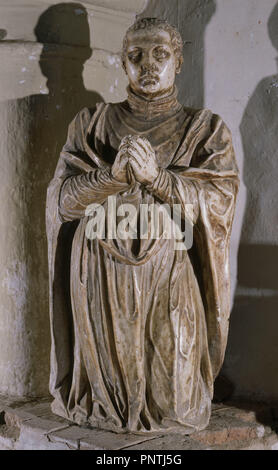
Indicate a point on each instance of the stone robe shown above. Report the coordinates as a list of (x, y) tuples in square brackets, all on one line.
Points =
[(139, 329)]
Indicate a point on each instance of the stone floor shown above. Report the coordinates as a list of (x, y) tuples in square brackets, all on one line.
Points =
[(30, 425)]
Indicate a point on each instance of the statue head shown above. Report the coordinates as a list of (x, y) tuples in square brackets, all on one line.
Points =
[(152, 56)]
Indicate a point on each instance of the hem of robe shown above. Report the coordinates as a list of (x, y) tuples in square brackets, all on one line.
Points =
[(168, 425)]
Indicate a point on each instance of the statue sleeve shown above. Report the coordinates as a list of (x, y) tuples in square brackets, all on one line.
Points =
[(85, 176), (173, 189), (212, 167), (81, 190)]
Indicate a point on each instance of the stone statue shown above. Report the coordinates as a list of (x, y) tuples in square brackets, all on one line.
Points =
[(139, 325)]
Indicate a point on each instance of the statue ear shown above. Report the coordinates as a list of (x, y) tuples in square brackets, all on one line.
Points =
[(178, 65)]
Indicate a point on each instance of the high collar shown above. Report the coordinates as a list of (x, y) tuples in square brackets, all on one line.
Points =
[(152, 109)]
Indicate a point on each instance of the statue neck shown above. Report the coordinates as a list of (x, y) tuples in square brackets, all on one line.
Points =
[(152, 108)]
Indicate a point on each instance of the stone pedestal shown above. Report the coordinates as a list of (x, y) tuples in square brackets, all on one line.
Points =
[(32, 426)]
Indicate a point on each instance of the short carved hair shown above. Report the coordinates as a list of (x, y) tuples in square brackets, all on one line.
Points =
[(156, 23)]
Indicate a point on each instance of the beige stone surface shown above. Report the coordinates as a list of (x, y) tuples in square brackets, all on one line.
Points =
[(85, 439)]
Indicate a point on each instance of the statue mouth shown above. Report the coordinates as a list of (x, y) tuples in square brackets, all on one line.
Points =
[(148, 80)]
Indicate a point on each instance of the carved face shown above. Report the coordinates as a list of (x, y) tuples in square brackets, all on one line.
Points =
[(151, 64)]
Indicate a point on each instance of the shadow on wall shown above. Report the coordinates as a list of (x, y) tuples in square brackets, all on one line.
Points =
[(252, 352), (191, 17), (63, 30)]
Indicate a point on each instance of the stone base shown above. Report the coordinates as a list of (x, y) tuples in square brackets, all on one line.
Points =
[(30, 425)]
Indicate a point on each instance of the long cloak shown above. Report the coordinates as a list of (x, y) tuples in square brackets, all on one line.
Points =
[(139, 331)]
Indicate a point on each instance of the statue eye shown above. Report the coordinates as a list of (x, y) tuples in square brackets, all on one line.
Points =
[(134, 56), (160, 53)]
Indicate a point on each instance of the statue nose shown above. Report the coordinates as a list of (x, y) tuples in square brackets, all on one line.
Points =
[(148, 66), (148, 61)]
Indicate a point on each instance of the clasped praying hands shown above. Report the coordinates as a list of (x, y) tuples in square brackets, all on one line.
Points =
[(137, 156)]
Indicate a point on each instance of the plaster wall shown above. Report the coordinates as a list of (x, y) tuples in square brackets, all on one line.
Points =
[(241, 85)]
